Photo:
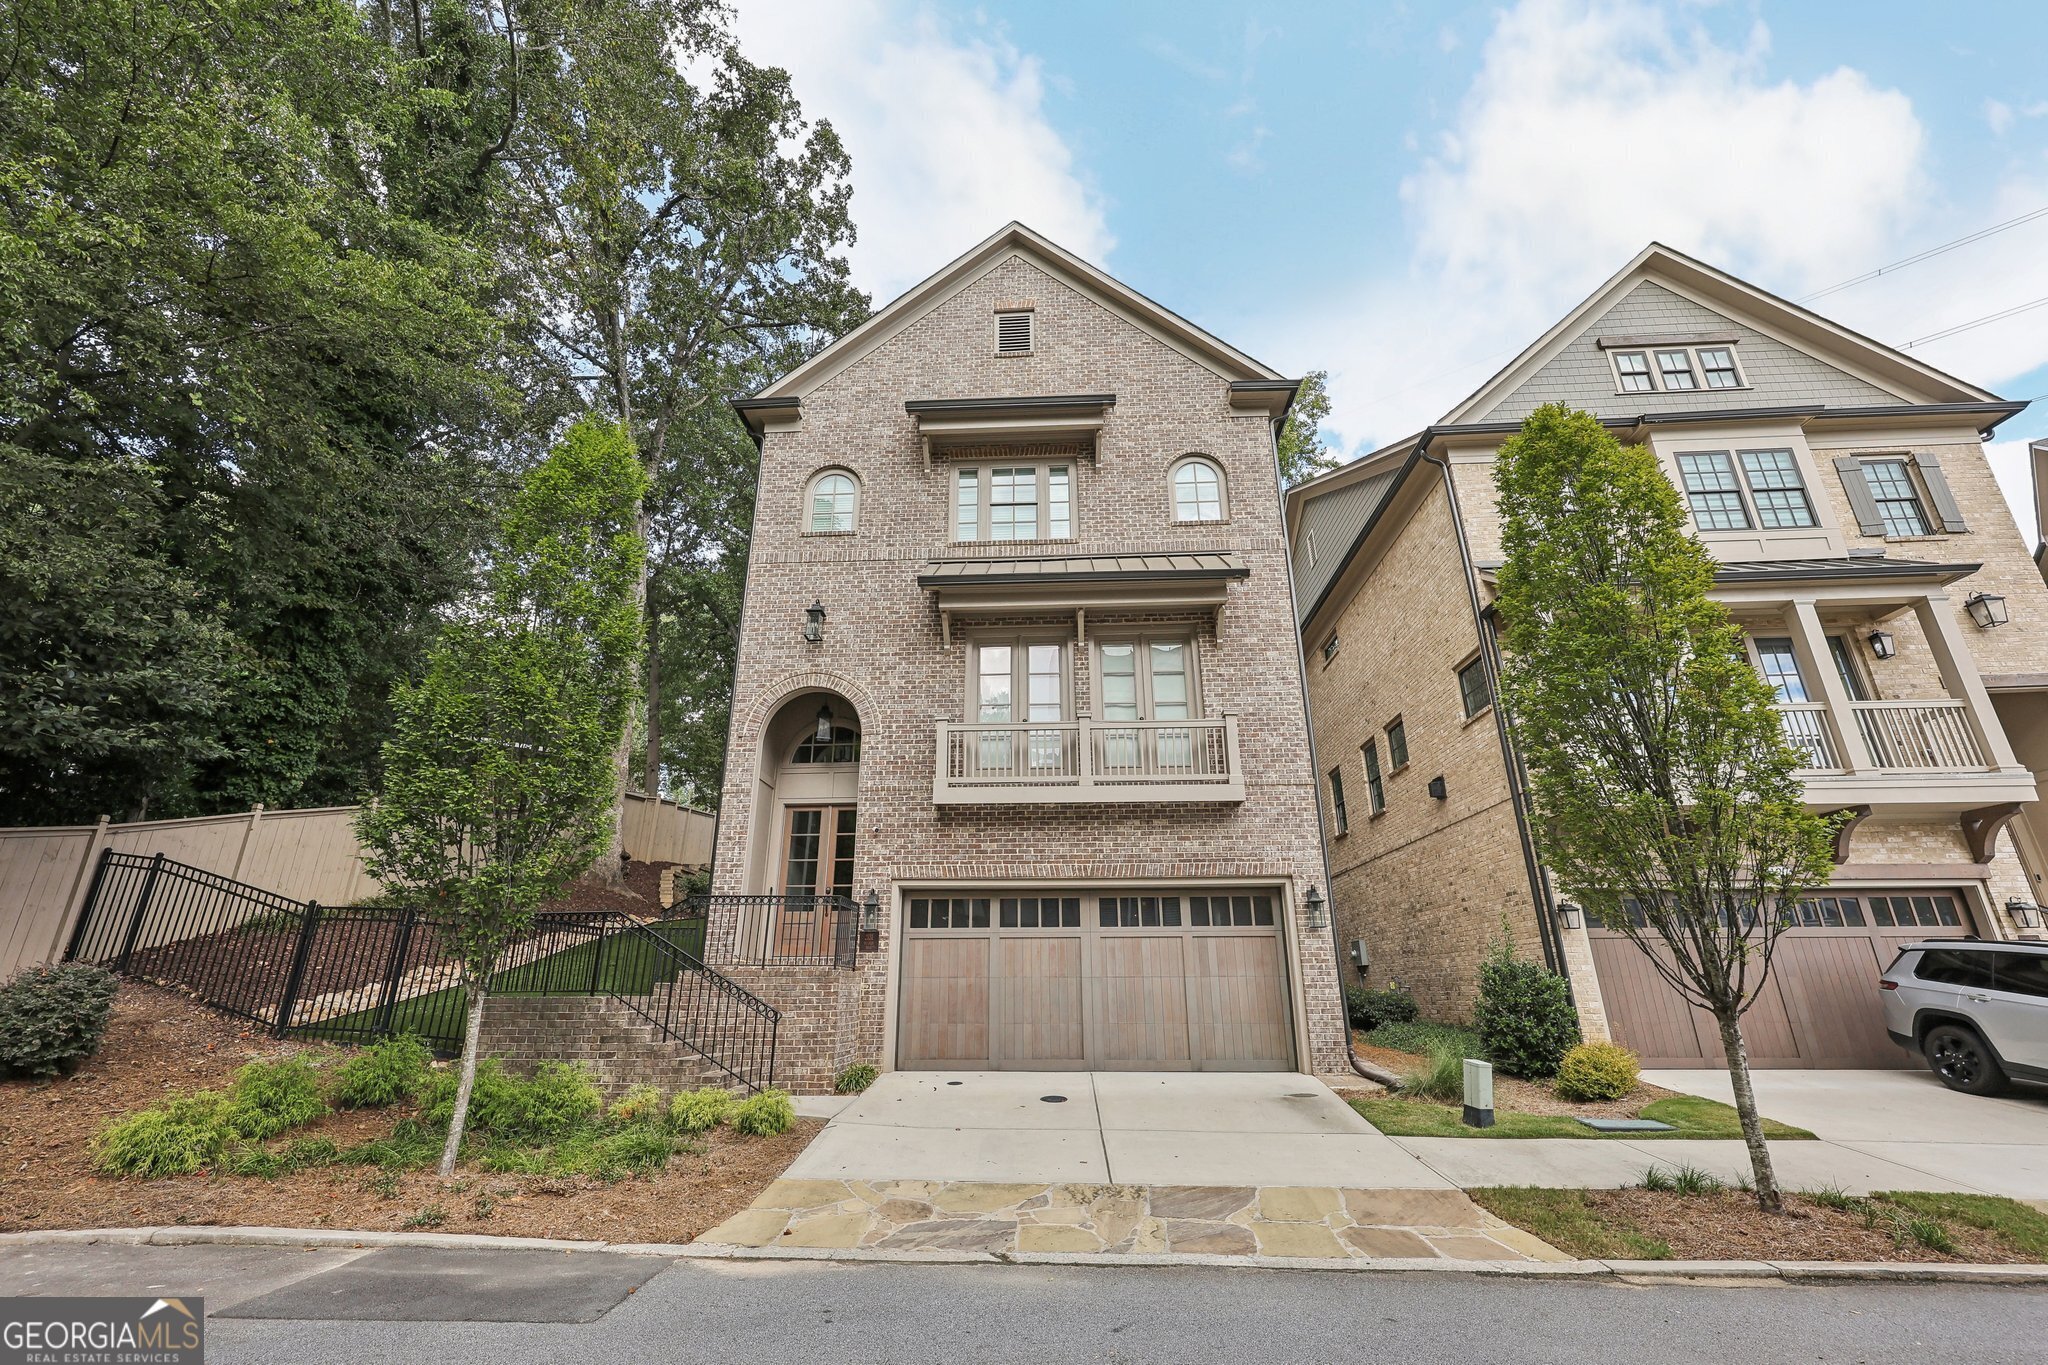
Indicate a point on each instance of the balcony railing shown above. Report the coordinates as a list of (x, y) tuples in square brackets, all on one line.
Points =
[(1919, 735), (1045, 762)]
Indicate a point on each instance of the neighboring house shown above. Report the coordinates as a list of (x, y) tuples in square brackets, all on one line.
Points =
[(1018, 772), (1869, 557)]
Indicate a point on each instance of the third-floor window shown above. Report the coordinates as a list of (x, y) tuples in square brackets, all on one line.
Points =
[(1013, 502)]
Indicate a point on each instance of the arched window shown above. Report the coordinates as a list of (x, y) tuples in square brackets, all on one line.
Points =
[(1197, 491), (843, 747), (834, 501)]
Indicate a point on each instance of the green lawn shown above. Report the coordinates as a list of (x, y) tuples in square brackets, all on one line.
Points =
[(1563, 1219), (629, 967), (2019, 1226), (1688, 1115)]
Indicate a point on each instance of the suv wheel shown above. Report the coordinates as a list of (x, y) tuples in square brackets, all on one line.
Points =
[(1962, 1060)]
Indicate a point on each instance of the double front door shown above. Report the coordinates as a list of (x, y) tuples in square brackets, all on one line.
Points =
[(817, 862)]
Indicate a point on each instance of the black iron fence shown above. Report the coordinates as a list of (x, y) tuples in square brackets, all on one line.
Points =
[(778, 931), (361, 973)]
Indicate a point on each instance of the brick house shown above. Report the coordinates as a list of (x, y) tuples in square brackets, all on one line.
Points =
[(1883, 588), (1018, 769)]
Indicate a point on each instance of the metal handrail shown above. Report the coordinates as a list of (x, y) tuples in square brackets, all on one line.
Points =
[(782, 929), (726, 1024)]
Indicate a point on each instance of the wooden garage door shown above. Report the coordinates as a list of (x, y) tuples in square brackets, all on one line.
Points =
[(1820, 1007), (1116, 981)]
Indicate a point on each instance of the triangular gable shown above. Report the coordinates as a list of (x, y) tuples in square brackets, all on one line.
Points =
[(1015, 239), (1663, 288)]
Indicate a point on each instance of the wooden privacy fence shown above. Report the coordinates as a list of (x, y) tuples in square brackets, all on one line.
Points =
[(302, 855)]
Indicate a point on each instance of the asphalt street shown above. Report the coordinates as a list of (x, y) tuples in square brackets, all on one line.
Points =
[(452, 1307)]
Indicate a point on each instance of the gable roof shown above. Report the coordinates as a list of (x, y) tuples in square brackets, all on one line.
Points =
[(1015, 239), (1877, 365)]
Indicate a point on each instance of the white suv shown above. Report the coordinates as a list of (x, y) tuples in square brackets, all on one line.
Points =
[(1978, 1012)]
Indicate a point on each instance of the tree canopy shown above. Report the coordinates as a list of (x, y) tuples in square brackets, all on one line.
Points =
[(1303, 451)]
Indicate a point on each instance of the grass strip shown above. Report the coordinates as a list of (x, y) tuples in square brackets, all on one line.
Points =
[(1688, 1115), (1564, 1219)]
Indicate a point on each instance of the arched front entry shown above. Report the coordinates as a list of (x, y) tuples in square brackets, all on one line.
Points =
[(806, 824)]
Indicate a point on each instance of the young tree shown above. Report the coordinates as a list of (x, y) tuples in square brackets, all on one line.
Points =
[(1662, 785), (1303, 452), (499, 776)]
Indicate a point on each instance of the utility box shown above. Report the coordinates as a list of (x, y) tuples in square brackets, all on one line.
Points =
[(1478, 1094), (1360, 958)]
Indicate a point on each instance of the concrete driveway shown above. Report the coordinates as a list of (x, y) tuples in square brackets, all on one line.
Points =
[(1124, 1128)]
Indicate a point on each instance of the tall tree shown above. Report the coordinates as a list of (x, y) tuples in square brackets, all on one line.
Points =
[(1663, 787), (498, 780), (675, 218), (1303, 451), (211, 305)]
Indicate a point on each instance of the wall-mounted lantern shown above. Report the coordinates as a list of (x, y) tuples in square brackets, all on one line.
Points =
[(1987, 609), (870, 937), (1882, 644), (2025, 915), (814, 621), (1573, 916), (824, 730), (1318, 913)]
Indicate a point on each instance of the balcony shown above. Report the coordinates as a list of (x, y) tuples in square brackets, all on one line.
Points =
[(1074, 762), (1925, 754)]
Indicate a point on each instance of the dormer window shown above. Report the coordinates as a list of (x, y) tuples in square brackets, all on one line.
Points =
[(1674, 368), (1014, 328), (1632, 371), (1717, 363), (1643, 367)]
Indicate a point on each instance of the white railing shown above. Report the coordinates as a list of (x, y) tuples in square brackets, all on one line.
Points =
[(1806, 729), (1918, 734), (1088, 760)]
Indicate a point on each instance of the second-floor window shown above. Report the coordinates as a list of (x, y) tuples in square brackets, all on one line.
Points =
[(1397, 744), (1898, 499), (1715, 493), (1013, 502), (1338, 815), (1472, 688), (1375, 786)]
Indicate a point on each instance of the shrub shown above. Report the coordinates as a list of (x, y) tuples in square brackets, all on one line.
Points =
[(560, 1099), (640, 1104), (1596, 1071), (269, 1097), (387, 1071), (855, 1078), (1442, 1077), (1524, 1014), (1370, 1009), (764, 1115), (410, 1145), (699, 1111), (175, 1138), (52, 1018)]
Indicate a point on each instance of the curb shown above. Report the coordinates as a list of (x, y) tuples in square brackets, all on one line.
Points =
[(1807, 1272)]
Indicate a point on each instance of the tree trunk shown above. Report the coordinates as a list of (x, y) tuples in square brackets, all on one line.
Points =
[(650, 778), (1768, 1197), (471, 1032)]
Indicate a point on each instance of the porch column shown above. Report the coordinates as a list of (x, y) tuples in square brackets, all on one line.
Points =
[(1817, 666), (1959, 675)]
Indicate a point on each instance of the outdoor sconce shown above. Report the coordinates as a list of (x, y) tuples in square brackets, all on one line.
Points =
[(1572, 915), (814, 621), (1882, 644), (1987, 609), (1318, 913), (824, 730), (871, 911), (2025, 915)]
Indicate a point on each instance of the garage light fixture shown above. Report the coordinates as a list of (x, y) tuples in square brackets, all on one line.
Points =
[(1987, 609), (1571, 914), (1318, 915), (814, 621), (2025, 915), (1882, 644)]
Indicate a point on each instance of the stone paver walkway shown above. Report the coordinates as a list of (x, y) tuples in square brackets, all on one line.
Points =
[(1216, 1220)]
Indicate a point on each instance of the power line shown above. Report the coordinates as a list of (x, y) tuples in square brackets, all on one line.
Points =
[(1977, 322), (1928, 254)]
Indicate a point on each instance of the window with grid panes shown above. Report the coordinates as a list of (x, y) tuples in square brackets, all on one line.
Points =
[(1397, 745), (1713, 492), (1375, 786), (1717, 365), (1674, 368), (1013, 502), (1633, 370), (1898, 498), (1776, 489)]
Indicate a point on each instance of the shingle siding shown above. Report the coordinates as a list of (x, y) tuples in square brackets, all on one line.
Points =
[(1777, 374), (1334, 519)]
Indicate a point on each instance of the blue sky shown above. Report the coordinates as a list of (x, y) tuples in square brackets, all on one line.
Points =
[(1405, 194)]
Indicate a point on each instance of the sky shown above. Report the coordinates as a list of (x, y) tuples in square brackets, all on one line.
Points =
[(1405, 195)]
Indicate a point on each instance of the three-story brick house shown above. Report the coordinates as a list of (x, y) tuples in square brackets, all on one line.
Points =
[(1883, 589), (1018, 774)]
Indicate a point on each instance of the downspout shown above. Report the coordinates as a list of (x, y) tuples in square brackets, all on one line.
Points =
[(1511, 761), (1377, 1075)]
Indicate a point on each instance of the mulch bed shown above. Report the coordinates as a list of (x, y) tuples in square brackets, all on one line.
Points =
[(160, 1042), (1730, 1227), (1511, 1094)]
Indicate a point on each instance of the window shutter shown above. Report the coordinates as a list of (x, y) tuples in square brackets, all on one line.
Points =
[(1945, 509), (1013, 333), (1861, 504)]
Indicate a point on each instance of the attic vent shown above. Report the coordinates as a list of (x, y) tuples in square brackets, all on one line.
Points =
[(1013, 333)]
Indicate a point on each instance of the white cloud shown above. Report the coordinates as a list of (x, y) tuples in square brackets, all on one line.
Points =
[(2014, 469), (1998, 114), (1590, 129), (945, 122)]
